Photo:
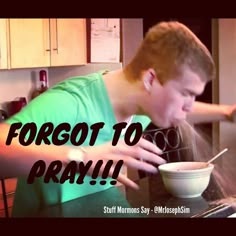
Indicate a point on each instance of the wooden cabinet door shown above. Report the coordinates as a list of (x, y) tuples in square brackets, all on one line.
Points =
[(68, 42), (3, 44), (29, 43)]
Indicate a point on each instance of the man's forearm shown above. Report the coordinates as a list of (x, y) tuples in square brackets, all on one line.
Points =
[(207, 112)]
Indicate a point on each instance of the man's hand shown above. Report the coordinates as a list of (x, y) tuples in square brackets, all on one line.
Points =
[(232, 113), (140, 157)]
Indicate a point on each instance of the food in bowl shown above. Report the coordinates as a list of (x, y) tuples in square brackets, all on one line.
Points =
[(186, 179)]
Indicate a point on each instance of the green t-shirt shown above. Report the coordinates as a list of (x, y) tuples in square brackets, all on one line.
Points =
[(74, 100)]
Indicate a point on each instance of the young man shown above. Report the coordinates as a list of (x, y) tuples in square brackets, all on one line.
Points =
[(171, 67)]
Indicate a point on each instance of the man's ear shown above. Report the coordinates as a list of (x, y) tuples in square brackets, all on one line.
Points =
[(148, 79)]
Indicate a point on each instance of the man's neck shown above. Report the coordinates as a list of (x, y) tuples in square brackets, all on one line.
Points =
[(123, 94)]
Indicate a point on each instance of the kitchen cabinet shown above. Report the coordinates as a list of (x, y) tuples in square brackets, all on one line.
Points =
[(3, 44), (47, 42)]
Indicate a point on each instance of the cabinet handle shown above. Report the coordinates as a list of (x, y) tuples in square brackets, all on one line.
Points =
[(56, 49), (47, 28)]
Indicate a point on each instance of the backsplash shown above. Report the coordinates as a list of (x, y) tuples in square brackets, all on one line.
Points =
[(19, 83), (15, 83)]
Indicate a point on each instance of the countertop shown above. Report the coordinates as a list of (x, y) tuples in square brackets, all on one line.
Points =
[(151, 200)]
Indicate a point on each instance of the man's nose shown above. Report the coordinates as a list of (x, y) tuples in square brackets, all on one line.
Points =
[(187, 109), (188, 106)]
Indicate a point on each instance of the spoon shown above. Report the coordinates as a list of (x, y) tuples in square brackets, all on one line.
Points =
[(216, 156)]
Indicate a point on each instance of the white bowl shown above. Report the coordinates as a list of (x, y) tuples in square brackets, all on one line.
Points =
[(186, 179)]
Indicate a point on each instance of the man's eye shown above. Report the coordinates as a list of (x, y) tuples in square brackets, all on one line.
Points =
[(188, 94), (185, 94)]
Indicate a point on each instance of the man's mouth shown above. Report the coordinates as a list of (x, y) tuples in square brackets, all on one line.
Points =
[(176, 122)]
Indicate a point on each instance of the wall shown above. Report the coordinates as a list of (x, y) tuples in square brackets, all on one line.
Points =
[(132, 34), (227, 75), (16, 83), (224, 92)]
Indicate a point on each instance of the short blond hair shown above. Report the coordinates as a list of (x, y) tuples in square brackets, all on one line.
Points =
[(167, 47)]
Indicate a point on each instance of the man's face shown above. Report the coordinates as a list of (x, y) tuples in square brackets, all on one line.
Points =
[(171, 102)]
